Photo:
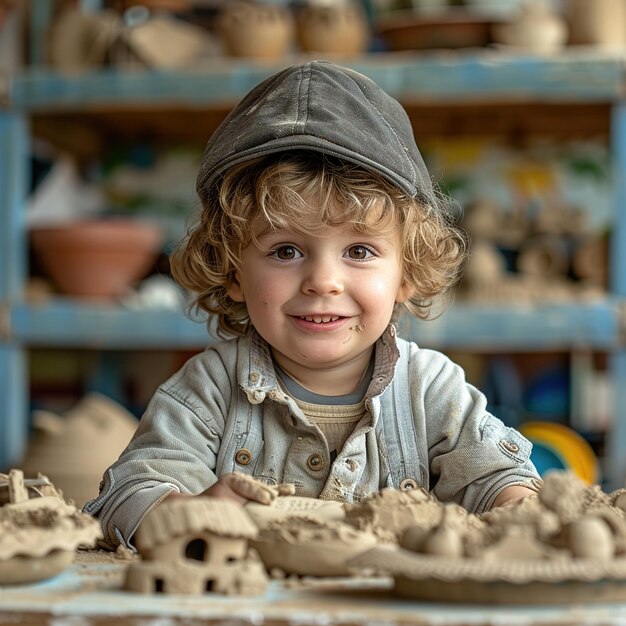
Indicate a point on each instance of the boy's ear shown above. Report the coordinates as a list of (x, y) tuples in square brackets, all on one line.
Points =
[(405, 291), (235, 290)]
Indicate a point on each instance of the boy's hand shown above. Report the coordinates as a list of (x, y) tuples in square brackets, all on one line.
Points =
[(241, 488), (512, 494)]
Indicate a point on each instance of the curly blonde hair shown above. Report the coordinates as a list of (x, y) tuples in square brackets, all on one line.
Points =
[(280, 191)]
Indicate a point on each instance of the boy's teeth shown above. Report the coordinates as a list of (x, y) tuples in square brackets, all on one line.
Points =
[(318, 319)]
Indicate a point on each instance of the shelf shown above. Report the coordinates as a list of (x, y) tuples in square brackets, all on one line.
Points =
[(65, 323), (68, 323), (446, 93), (578, 74)]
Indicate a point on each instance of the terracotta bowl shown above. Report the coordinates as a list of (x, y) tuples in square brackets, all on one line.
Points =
[(97, 259)]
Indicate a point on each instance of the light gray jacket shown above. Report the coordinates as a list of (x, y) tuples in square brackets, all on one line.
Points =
[(224, 412)]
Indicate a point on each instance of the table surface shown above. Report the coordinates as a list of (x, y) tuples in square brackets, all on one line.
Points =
[(89, 593)]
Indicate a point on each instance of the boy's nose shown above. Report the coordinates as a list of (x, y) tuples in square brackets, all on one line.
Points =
[(322, 278)]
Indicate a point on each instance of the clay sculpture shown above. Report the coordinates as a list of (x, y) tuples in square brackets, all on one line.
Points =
[(568, 543), (75, 448), (295, 506), (39, 531), (196, 545), (311, 547), (388, 513)]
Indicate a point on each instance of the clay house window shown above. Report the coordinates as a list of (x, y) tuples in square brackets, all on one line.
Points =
[(196, 550), (159, 587)]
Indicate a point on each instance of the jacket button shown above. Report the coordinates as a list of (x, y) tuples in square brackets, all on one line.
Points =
[(243, 456), (510, 446), (315, 462), (408, 484)]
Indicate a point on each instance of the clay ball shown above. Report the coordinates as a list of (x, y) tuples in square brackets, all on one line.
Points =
[(591, 538)]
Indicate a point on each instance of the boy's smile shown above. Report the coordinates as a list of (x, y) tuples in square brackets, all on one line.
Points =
[(321, 300)]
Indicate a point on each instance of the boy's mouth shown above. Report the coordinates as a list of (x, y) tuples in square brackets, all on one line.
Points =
[(319, 319)]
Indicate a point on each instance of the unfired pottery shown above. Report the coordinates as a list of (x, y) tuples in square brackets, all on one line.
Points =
[(295, 506), (600, 22), (566, 544), (255, 31), (338, 29), (196, 545), (311, 547), (536, 29), (388, 513), (38, 533), (74, 449)]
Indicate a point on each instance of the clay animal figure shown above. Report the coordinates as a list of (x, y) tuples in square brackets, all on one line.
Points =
[(194, 546), (39, 531)]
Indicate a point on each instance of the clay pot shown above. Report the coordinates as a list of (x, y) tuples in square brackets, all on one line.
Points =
[(336, 29), (255, 31), (601, 22), (536, 29), (98, 259)]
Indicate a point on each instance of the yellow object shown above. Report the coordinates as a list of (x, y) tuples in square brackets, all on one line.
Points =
[(568, 444)]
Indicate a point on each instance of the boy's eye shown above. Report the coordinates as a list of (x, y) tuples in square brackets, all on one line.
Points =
[(286, 253), (359, 252)]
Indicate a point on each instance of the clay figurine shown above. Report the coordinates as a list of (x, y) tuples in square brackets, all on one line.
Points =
[(196, 545)]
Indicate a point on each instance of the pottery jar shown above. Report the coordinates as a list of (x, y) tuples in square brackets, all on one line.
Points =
[(338, 29), (255, 31), (601, 22), (537, 29)]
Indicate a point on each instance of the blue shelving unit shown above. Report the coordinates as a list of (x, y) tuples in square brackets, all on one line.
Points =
[(576, 77)]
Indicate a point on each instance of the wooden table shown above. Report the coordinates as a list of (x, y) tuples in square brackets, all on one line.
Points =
[(89, 593)]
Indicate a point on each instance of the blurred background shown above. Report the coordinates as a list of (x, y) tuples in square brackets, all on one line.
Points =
[(105, 107)]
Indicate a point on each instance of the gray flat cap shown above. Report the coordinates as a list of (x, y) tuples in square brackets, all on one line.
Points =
[(326, 108)]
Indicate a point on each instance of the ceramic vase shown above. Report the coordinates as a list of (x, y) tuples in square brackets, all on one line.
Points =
[(340, 30)]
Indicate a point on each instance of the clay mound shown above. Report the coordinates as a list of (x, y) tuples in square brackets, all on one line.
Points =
[(571, 535), (38, 533), (42, 525), (388, 513)]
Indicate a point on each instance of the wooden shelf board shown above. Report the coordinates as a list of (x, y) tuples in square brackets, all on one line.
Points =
[(481, 328)]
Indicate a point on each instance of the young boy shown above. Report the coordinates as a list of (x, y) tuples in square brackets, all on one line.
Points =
[(319, 221)]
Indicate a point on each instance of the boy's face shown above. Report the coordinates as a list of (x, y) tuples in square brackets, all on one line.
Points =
[(321, 301)]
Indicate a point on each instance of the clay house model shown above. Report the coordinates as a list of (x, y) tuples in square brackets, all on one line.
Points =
[(194, 546)]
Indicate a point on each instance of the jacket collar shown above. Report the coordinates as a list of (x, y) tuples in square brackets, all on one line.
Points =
[(256, 375)]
